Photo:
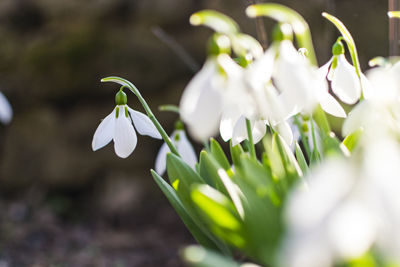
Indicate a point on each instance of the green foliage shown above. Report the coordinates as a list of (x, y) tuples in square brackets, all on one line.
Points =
[(351, 141), (219, 154), (197, 256), (300, 158), (208, 169), (172, 197), (182, 178)]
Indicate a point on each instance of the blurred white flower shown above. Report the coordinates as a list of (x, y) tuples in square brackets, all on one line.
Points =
[(330, 221), (301, 84), (6, 111), (118, 126), (184, 148), (379, 115), (350, 205), (202, 102), (240, 105)]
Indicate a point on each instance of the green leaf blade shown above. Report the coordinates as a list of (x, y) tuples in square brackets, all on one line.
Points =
[(170, 194)]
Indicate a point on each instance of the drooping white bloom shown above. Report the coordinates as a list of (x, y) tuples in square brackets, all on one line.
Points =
[(117, 126), (202, 102), (345, 82), (350, 205), (184, 148), (331, 220), (251, 96), (6, 111), (380, 113), (301, 84), (240, 105)]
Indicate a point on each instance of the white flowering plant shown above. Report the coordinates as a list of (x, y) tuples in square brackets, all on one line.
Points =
[(290, 192)]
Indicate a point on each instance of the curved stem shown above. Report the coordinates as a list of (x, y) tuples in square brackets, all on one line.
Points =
[(348, 39), (146, 107), (287, 15)]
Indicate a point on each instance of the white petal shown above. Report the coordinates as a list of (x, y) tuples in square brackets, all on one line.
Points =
[(260, 71), (258, 131), (287, 51), (143, 124), (324, 69), (205, 120), (124, 136), (6, 112), (355, 118), (186, 150), (291, 102), (331, 106), (292, 76), (239, 131), (228, 121), (285, 131), (230, 67), (367, 87), (384, 83), (161, 159), (201, 103), (345, 82), (201, 81), (104, 132)]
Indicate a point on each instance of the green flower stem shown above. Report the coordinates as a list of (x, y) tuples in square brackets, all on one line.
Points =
[(171, 108), (394, 14), (351, 45), (348, 39), (150, 114), (302, 136), (314, 139), (250, 137), (215, 20), (286, 15)]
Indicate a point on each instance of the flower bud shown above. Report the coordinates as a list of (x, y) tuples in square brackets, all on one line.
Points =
[(282, 31), (219, 44), (179, 125), (121, 98), (338, 48)]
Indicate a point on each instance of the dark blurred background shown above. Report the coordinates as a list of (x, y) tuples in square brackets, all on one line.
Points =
[(63, 204)]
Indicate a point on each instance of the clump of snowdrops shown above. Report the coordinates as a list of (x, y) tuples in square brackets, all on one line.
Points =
[(289, 192)]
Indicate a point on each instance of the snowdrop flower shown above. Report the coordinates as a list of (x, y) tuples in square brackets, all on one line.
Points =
[(351, 204), (339, 224), (300, 83), (344, 79), (6, 112), (380, 113), (183, 146), (201, 104), (118, 126), (240, 105), (305, 88)]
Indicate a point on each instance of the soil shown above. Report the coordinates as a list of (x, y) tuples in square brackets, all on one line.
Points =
[(64, 229)]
